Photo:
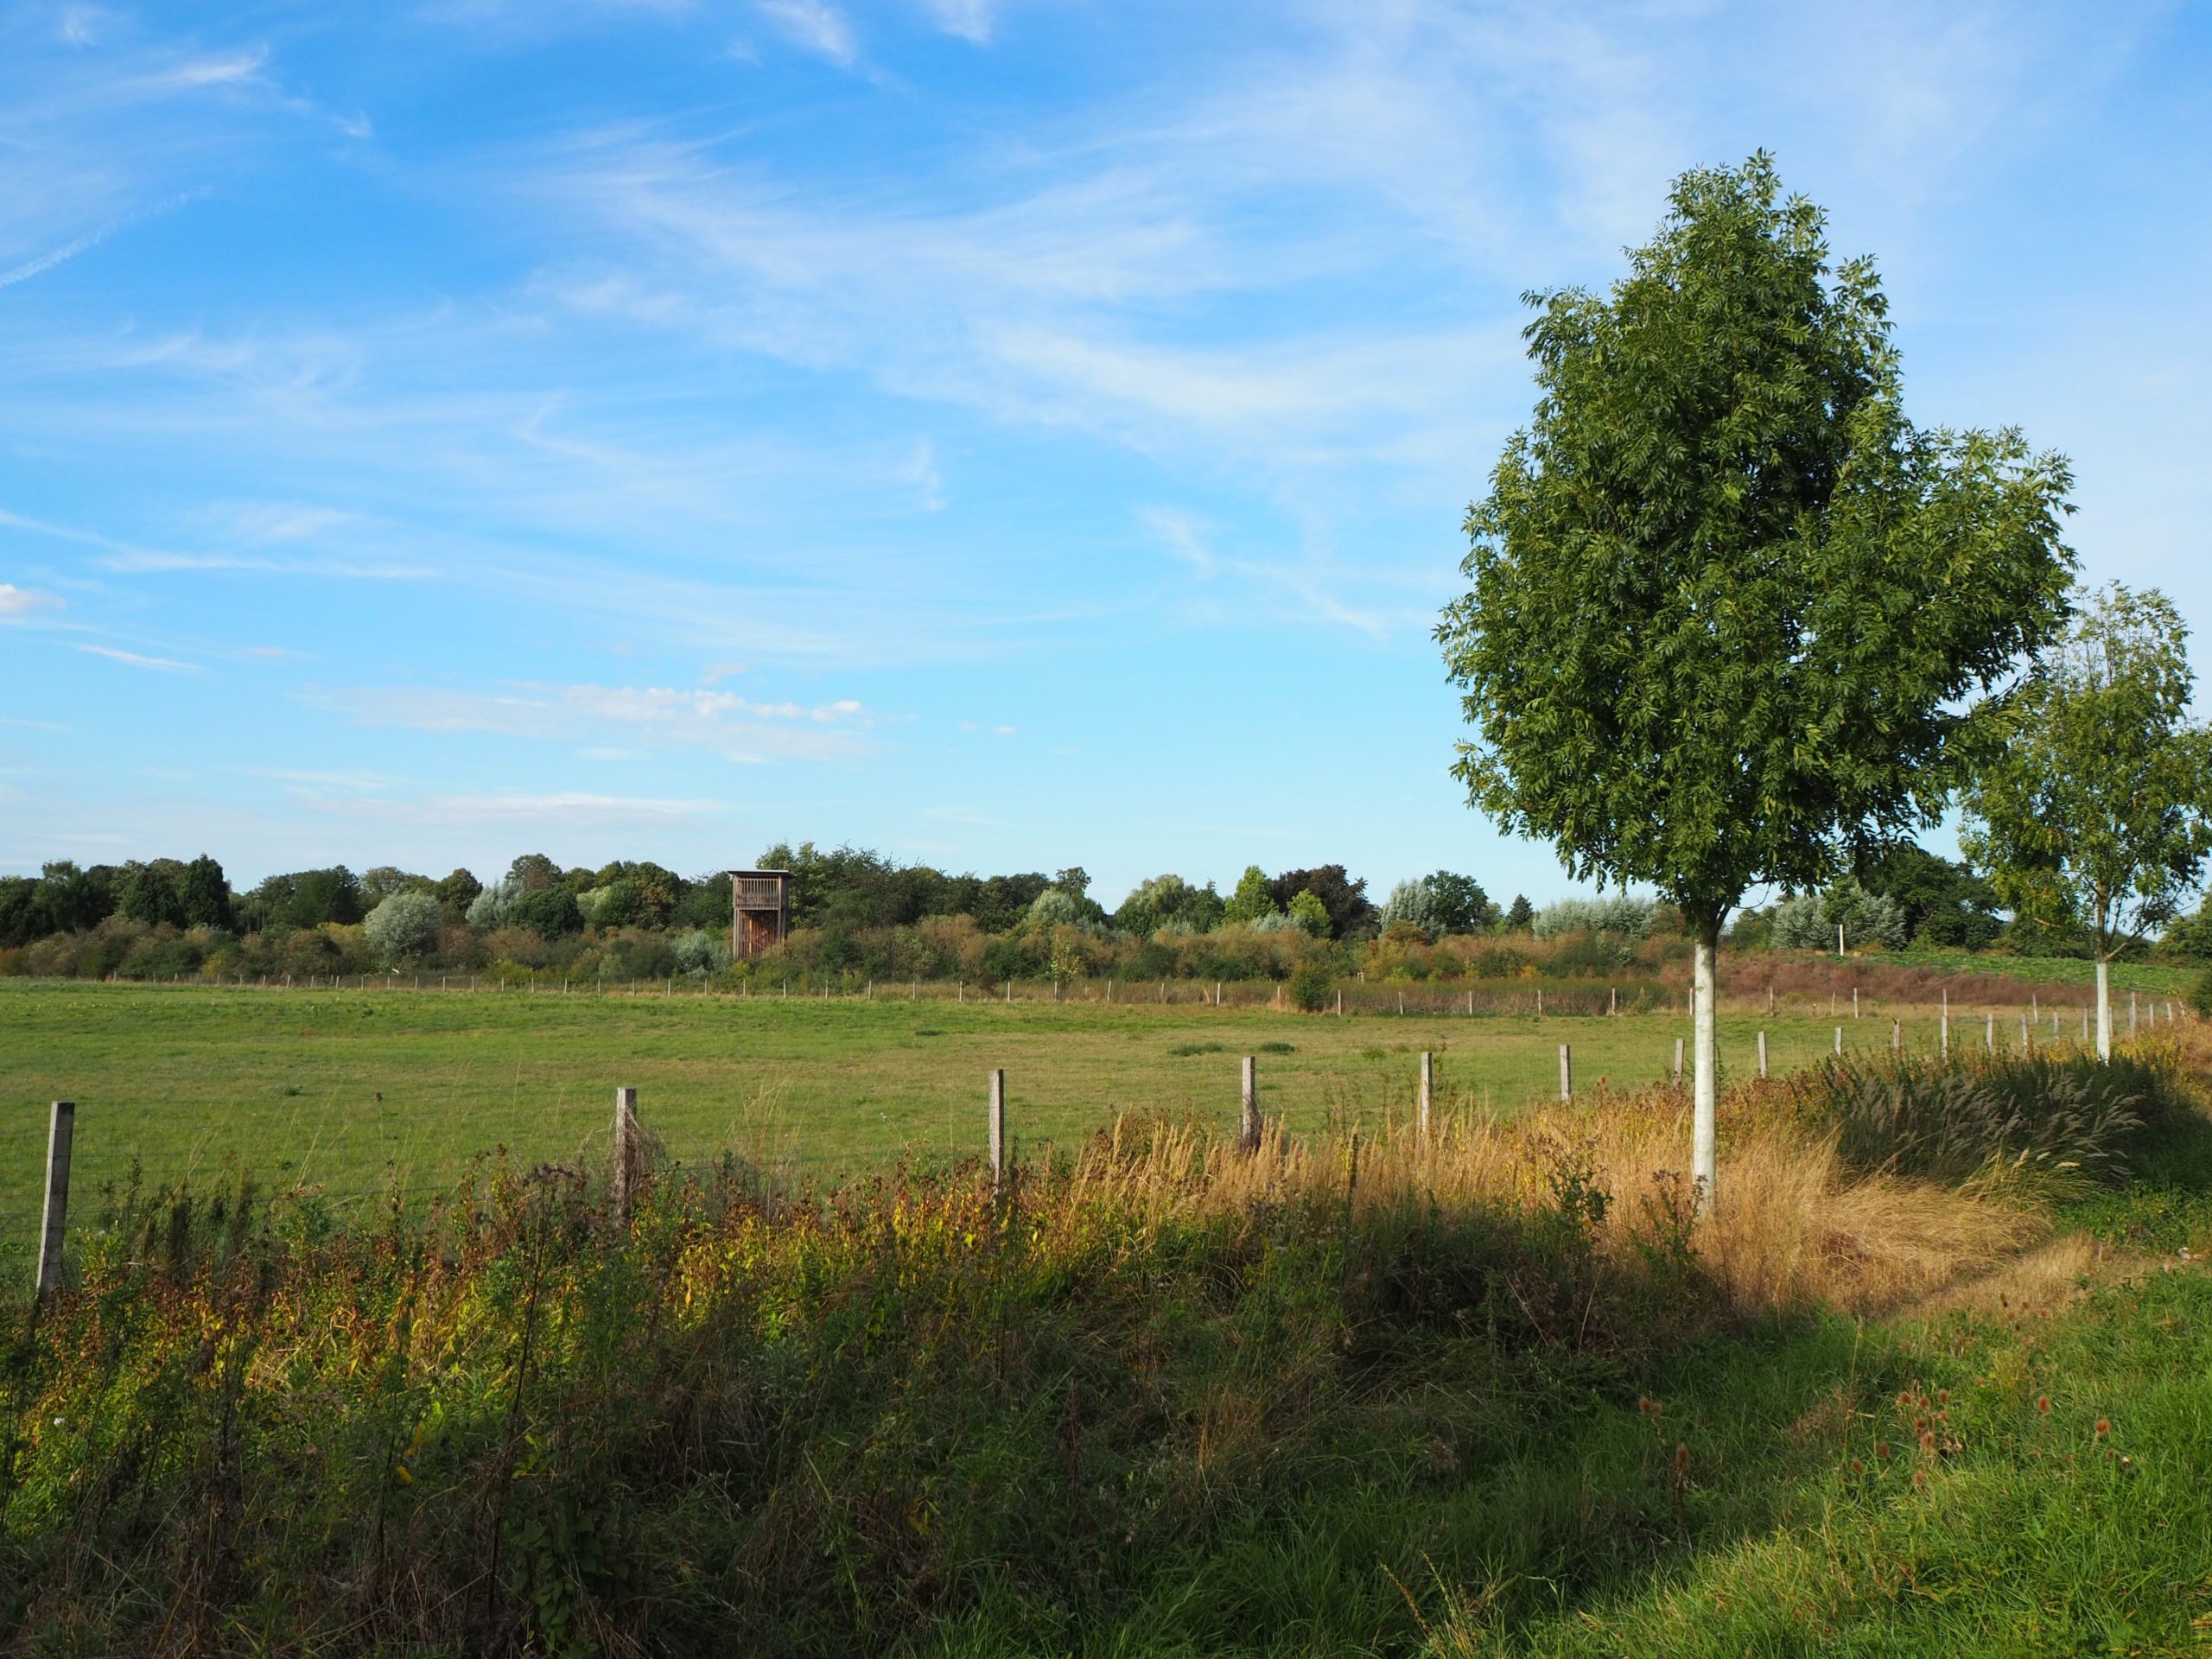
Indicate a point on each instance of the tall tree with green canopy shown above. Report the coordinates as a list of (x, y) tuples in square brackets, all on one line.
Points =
[(2099, 812), (1726, 598), (1252, 899)]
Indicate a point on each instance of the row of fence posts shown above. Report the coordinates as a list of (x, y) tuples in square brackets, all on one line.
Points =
[(1218, 998), (62, 1127)]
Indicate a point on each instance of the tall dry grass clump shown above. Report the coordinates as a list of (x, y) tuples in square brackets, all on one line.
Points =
[(1795, 1225)]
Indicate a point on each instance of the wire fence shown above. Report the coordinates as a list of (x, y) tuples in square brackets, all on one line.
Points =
[(1518, 998)]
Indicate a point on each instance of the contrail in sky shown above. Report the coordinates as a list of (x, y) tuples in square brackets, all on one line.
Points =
[(47, 262)]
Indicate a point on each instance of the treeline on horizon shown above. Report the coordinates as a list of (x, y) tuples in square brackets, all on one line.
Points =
[(856, 915)]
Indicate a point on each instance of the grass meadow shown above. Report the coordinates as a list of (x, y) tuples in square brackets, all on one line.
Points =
[(357, 1092)]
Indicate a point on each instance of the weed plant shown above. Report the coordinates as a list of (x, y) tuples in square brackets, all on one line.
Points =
[(2056, 1115)]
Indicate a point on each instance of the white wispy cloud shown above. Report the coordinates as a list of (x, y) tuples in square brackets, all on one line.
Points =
[(739, 729), (1309, 589), (814, 26), (215, 69), (565, 810), (970, 20), (161, 664), (81, 25)]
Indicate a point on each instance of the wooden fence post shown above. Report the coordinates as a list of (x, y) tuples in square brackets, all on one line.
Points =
[(1247, 1128), (625, 1152), (1897, 1036), (1566, 1072), (1989, 1033), (1427, 1092), (994, 1128), (1678, 1062), (1838, 1039), (1762, 1054), (54, 1225)]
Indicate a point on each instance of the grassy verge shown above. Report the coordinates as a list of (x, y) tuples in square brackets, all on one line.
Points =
[(1360, 1393)]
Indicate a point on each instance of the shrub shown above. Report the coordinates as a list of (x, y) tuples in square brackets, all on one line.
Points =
[(513, 945), (1312, 982), (330, 948), (1311, 914), (1622, 913), (1586, 955), (403, 928), (697, 952), (2200, 994), (1808, 921)]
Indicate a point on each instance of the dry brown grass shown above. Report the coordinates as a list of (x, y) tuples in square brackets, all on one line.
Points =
[(1794, 1227)]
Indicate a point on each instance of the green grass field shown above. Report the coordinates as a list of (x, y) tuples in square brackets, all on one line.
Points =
[(179, 1079)]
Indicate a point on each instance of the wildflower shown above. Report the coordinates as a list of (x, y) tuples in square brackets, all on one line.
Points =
[(2043, 1404), (2104, 1427)]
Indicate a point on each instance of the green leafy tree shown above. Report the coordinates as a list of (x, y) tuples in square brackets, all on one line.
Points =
[(1056, 907), (149, 894), (404, 927), (304, 898), (534, 871), (1458, 903), (1252, 899), (204, 893), (2099, 812), (1726, 598), (548, 911), (456, 894), (1942, 902), (380, 883), (1307, 910), (1345, 898), (1168, 901), (1520, 915), (2189, 938)]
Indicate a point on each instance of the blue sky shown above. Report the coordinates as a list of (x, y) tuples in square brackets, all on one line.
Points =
[(1004, 433)]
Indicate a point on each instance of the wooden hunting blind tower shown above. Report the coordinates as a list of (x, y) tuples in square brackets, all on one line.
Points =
[(760, 911)]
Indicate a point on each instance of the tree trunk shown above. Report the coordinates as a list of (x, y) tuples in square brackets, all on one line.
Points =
[(2104, 1009), (1703, 1156)]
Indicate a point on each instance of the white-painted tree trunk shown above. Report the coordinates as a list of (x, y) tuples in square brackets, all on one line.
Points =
[(1704, 1157), (2104, 1009)]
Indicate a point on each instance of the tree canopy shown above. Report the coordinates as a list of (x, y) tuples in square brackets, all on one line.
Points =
[(1727, 599), (2098, 812)]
